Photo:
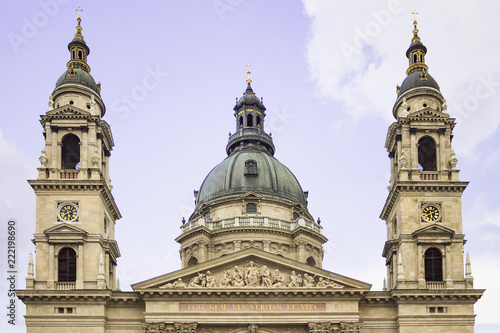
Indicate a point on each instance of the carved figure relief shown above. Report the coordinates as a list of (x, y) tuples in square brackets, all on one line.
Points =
[(279, 248), (253, 275), (225, 248), (252, 328)]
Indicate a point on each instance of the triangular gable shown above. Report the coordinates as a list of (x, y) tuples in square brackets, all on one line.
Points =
[(251, 268), (64, 228), (251, 195), (67, 111), (65, 232), (434, 230), (429, 113)]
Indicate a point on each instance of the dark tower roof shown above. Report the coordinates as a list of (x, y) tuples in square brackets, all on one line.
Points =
[(417, 72), (78, 71), (250, 145)]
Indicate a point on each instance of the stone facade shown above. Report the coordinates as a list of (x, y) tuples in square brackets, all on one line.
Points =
[(251, 252)]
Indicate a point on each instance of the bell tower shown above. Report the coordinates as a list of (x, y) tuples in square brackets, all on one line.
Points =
[(75, 212), (423, 212)]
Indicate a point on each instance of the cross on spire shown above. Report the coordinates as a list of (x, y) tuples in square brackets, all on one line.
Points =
[(79, 18), (248, 73), (414, 12)]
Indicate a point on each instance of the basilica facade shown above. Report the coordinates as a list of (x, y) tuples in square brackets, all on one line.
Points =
[(251, 251)]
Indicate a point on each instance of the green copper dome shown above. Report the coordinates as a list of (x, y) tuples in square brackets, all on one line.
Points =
[(251, 170), (414, 80), (78, 76)]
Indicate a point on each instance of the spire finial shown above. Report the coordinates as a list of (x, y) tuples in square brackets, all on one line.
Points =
[(414, 12), (248, 73), (79, 18)]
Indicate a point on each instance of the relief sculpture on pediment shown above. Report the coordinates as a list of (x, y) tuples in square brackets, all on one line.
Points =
[(252, 275)]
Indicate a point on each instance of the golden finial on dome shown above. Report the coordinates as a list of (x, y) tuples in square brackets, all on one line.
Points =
[(79, 19), (248, 73), (415, 30)]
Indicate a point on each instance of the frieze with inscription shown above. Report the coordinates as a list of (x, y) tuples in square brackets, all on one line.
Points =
[(252, 307)]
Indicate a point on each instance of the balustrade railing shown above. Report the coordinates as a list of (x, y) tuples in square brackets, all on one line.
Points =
[(65, 285), (435, 285), (250, 221), (68, 174), (429, 175)]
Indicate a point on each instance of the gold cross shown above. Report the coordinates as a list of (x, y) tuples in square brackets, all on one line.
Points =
[(79, 10), (248, 72), (414, 16)]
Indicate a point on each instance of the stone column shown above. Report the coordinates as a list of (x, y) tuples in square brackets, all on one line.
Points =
[(420, 268), (449, 279), (183, 258), (84, 149), (55, 147), (50, 281), (301, 251), (80, 268), (106, 270), (413, 150), (441, 159)]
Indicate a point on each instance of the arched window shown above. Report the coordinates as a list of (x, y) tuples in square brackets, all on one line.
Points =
[(192, 261), (240, 122), (249, 120), (258, 121), (250, 167), (79, 54), (427, 154), (311, 262), (70, 156), (66, 265), (433, 265), (251, 208), (414, 58)]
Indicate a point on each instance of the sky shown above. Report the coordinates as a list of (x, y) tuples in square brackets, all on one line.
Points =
[(327, 71)]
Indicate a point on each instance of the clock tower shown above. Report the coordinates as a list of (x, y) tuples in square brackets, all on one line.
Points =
[(423, 212), (75, 211)]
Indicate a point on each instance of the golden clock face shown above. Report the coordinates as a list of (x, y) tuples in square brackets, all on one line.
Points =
[(430, 213), (68, 212)]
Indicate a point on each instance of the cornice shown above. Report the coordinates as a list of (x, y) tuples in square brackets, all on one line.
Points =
[(249, 229), (446, 295), (40, 186), (419, 187), (80, 295), (241, 292)]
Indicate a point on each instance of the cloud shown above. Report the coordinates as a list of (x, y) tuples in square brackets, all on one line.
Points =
[(356, 56), (14, 166)]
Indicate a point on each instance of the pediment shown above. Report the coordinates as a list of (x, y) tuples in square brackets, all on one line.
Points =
[(251, 269), (429, 113), (251, 195), (434, 230), (64, 229), (68, 111)]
